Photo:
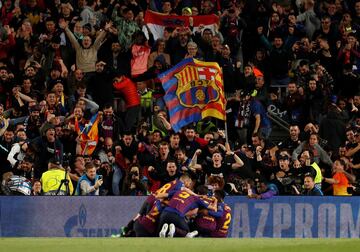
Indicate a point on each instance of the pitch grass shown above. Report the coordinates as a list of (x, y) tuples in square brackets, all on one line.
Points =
[(176, 245)]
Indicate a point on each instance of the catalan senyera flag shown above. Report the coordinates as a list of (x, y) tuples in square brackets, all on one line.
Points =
[(88, 134), (193, 90), (157, 22)]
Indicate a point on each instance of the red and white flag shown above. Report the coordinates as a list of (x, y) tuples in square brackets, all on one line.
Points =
[(158, 21)]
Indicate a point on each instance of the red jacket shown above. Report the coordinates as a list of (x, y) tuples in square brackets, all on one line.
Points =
[(128, 91)]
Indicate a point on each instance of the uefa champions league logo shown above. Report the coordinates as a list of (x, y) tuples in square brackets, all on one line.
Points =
[(76, 226)]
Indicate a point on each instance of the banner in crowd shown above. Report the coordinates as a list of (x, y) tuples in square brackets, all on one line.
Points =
[(88, 134), (158, 21), (279, 217), (193, 91)]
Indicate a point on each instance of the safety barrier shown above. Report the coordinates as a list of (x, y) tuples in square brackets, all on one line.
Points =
[(56, 216)]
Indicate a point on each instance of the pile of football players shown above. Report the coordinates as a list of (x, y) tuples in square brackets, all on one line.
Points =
[(176, 210)]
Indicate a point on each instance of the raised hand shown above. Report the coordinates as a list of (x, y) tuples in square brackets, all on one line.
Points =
[(108, 25), (62, 23)]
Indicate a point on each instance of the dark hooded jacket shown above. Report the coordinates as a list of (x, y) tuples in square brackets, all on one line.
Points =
[(152, 74)]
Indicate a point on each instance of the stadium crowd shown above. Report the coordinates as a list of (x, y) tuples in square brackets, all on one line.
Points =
[(67, 64)]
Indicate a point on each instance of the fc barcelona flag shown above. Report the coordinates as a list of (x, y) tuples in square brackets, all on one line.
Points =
[(193, 90), (88, 134)]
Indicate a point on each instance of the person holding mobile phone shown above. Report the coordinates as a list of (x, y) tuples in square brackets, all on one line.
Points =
[(90, 182)]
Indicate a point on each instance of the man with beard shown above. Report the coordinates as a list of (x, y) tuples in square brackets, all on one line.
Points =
[(86, 53), (109, 126), (291, 142), (78, 114), (31, 123), (18, 150), (183, 161), (117, 60), (294, 104), (190, 141), (203, 38), (35, 74), (24, 168), (46, 147), (53, 105), (177, 44)]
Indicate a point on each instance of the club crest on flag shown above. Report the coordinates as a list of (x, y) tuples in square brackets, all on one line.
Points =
[(197, 87), (193, 91)]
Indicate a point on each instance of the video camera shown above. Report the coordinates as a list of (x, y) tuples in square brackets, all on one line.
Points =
[(66, 160)]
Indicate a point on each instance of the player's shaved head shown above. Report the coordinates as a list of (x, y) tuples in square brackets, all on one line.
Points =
[(186, 179)]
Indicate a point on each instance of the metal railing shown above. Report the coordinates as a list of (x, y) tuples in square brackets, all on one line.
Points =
[(278, 121)]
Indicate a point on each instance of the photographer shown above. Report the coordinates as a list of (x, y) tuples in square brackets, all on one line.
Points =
[(134, 183), (90, 182), (110, 168), (51, 180), (106, 171)]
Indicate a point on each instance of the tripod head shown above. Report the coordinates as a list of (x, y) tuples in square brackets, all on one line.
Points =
[(65, 181)]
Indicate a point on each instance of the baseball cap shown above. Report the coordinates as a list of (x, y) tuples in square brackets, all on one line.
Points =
[(212, 143)]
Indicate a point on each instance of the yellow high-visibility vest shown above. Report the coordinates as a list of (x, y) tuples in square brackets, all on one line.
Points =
[(51, 181), (318, 177)]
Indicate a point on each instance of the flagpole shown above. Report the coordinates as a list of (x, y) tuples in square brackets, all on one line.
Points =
[(226, 133), (226, 128), (226, 111), (84, 151)]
